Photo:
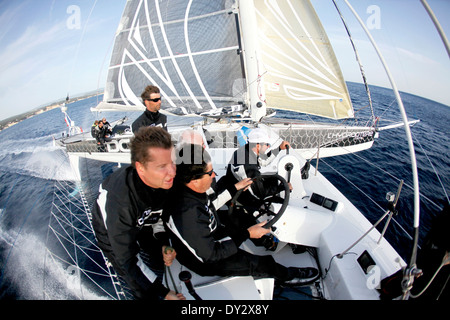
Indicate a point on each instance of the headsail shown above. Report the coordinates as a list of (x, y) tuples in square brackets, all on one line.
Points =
[(189, 49), (298, 65)]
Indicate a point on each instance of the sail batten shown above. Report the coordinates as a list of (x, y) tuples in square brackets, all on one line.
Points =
[(302, 75), (146, 60), (311, 65)]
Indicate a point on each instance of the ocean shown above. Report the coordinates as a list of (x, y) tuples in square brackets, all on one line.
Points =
[(31, 169)]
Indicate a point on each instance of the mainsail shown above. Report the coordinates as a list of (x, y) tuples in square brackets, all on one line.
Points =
[(189, 49), (192, 50)]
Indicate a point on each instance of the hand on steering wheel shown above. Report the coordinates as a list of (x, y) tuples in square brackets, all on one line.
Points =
[(267, 201)]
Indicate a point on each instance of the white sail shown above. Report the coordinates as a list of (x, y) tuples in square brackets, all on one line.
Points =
[(297, 63), (189, 49)]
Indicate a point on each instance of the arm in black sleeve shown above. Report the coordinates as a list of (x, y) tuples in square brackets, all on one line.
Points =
[(122, 234), (196, 232)]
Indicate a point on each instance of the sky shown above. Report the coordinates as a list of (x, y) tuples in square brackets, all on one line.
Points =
[(407, 38), (51, 48)]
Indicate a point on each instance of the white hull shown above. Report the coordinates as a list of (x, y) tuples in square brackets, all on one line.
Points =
[(328, 141), (303, 223), (330, 233)]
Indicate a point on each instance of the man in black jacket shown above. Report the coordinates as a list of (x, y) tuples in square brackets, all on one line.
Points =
[(151, 97), (247, 161), (126, 215), (204, 243)]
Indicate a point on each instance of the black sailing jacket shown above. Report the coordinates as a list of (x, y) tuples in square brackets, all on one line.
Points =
[(148, 118), (126, 221), (246, 164), (197, 234)]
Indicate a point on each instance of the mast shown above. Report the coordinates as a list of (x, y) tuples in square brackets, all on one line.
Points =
[(256, 95)]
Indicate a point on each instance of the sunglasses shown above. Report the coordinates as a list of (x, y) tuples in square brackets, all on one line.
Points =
[(209, 173), (154, 100)]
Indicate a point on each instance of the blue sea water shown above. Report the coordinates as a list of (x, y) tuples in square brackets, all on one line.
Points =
[(30, 165)]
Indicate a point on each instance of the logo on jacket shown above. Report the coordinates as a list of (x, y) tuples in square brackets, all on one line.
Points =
[(212, 219), (149, 217)]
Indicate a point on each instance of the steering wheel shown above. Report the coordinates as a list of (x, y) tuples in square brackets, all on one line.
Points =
[(265, 203)]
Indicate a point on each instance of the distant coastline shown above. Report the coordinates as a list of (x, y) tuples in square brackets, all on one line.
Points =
[(9, 122)]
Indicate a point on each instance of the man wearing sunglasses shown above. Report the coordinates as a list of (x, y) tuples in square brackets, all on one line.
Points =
[(206, 242), (151, 97)]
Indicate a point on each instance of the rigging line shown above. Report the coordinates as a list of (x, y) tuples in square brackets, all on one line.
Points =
[(53, 256), (354, 185), (388, 108), (46, 240), (80, 248), (72, 240), (49, 226), (61, 188), (365, 194), (110, 273), (415, 174), (444, 262), (81, 269), (397, 179), (434, 169), (62, 245), (357, 59), (57, 258), (257, 80), (331, 260), (443, 287), (71, 257), (95, 282), (69, 211), (86, 229), (70, 202)]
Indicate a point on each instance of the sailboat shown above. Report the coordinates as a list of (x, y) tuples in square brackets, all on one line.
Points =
[(225, 67)]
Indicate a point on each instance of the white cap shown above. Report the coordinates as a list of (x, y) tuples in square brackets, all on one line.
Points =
[(258, 135)]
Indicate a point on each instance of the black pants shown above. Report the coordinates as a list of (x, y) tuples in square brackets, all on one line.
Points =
[(244, 264)]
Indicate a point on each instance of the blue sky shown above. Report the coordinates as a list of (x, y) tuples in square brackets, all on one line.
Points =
[(49, 48), (406, 37), (45, 53)]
